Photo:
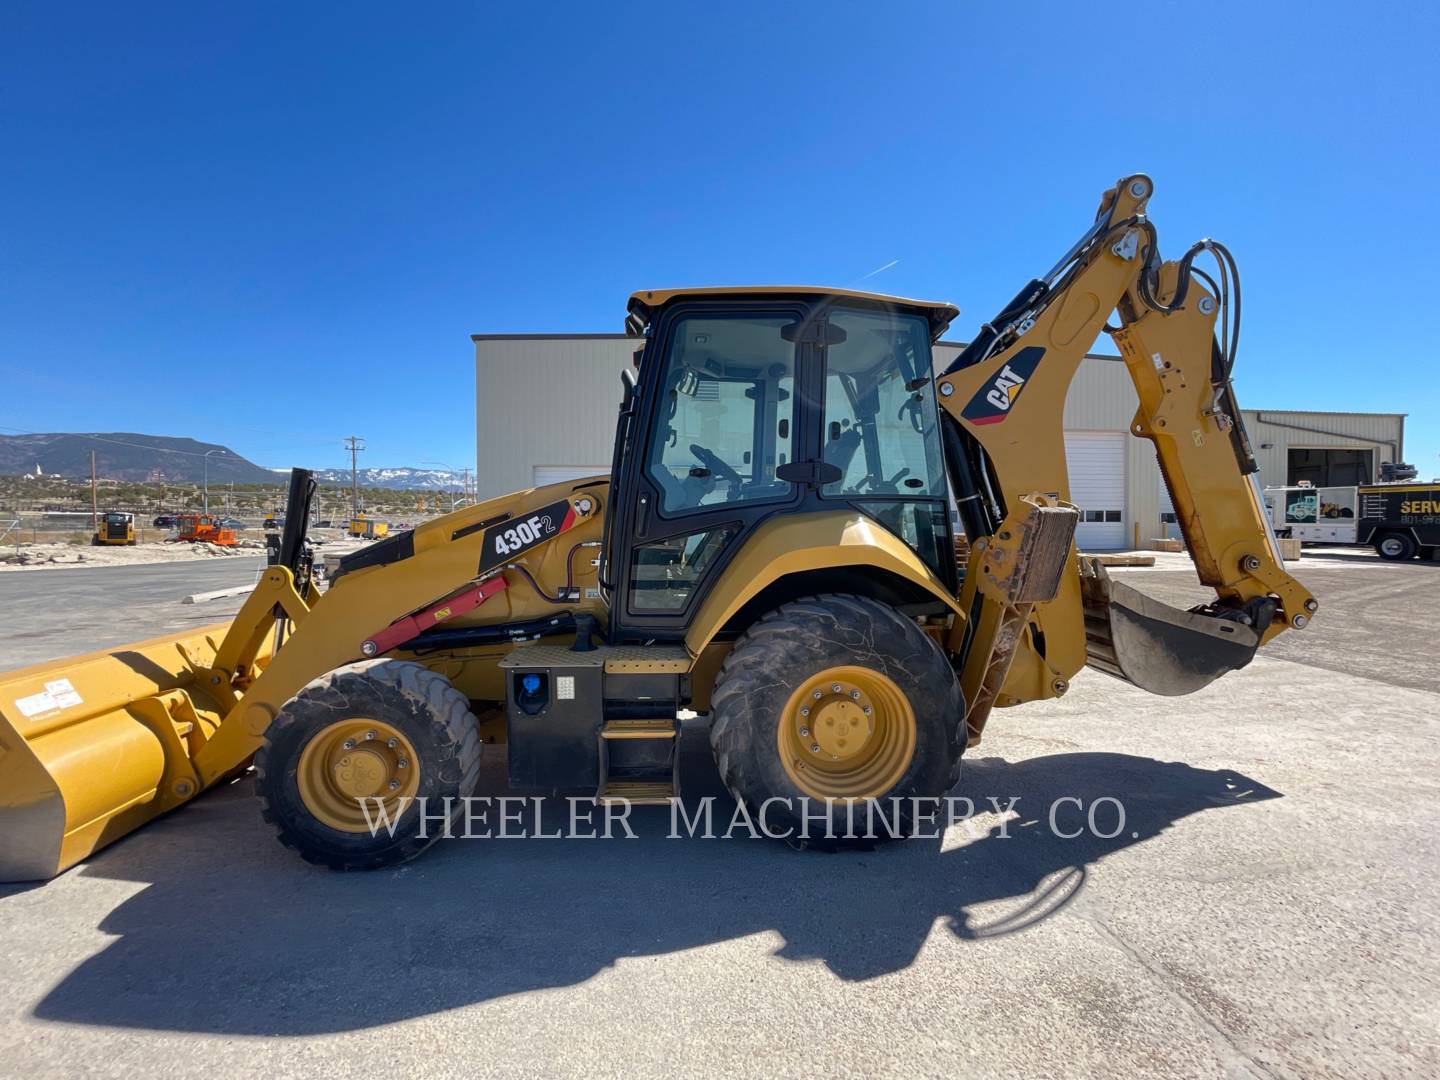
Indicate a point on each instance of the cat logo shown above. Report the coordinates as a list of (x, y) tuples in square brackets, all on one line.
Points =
[(992, 403)]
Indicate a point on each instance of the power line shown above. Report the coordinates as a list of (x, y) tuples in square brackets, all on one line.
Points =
[(354, 443)]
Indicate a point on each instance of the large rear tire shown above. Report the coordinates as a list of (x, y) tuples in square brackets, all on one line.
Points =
[(389, 732), (832, 701)]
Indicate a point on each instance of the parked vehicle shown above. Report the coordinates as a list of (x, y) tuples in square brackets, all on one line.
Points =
[(166, 521), (1399, 520)]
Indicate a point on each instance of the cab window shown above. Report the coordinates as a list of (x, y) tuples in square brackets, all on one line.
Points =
[(881, 429), (727, 412)]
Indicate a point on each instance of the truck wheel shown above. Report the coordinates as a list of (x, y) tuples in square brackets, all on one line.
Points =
[(1396, 547), (385, 736), (829, 702)]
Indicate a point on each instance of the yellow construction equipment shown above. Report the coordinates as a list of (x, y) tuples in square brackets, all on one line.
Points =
[(115, 528), (773, 547), (370, 530)]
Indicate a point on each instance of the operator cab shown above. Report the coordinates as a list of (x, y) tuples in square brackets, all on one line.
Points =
[(751, 403)]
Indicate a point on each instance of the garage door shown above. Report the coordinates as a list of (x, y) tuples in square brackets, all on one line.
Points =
[(1097, 486), (558, 474)]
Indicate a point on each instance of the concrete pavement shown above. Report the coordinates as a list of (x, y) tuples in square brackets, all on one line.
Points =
[(1268, 908)]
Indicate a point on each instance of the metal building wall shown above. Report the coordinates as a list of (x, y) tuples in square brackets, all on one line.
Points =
[(544, 400), (1273, 432), (551, 400)]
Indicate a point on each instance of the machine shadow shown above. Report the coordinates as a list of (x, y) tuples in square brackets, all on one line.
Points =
[(234, 935)]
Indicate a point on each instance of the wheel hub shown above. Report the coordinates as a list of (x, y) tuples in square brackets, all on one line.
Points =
[(348, 765), (840, 725), (847, 732)]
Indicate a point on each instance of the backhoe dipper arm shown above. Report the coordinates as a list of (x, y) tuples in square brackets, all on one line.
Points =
[(1004, 401)]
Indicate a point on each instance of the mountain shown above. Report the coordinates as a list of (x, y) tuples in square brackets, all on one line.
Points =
[(124, 455), (402, 479)]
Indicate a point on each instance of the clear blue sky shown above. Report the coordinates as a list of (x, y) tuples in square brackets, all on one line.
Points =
[(275, 225)]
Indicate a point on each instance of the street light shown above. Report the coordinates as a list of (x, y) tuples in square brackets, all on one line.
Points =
[(454, 502), (207, 476)]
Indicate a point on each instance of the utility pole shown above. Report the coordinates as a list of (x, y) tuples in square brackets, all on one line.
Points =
[(354, 444), (94, 496)]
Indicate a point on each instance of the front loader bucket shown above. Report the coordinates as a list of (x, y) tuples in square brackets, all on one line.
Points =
[(94, 746), (1157, 647)]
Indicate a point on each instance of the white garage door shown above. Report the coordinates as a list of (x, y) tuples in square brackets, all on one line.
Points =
[(1097, 486), (558, 474)]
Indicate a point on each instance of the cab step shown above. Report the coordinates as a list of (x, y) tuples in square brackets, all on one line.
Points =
[(639, 760), (638, 729), (637, 792)]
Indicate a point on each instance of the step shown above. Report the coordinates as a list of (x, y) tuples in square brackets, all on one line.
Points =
[(615, 659), (637, 792), (638, 729)]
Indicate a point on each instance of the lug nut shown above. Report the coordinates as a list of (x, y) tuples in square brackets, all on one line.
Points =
[(369, 736), (394, 784), (855, 694), (392, 743), (868, 710), (817, 695), (814, 748), (804, 732), (805, 710), (349, 744), (402, 763), (835, 688)]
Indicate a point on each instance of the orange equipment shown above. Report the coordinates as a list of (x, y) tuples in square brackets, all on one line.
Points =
[(205, 528)]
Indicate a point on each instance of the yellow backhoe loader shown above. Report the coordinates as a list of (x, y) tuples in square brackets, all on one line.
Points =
[(774, 546)]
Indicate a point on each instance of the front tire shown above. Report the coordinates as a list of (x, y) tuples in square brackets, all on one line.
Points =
[(387, 735), (831, 701), (1396, 547)]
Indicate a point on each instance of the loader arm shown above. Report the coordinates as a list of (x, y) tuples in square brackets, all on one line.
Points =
[(1004, 399)]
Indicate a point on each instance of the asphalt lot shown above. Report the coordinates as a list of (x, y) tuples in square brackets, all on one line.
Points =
[(1270, 908), (54, 613)]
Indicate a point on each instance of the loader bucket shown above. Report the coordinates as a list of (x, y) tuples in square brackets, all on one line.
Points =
[(94, 746), (1154, 646)]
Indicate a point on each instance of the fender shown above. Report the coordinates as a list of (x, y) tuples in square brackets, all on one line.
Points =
[(827, 540)]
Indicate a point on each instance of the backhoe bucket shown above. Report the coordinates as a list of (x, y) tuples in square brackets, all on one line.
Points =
[(1157, 647), (94, 746)]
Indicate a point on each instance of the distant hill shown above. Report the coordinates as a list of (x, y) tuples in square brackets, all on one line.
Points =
[(402, 479), (123, 455)]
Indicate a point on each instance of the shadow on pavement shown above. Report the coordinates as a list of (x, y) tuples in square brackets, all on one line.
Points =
[(235, 935)]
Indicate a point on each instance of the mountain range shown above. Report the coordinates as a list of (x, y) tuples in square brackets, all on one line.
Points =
[(136, 458)]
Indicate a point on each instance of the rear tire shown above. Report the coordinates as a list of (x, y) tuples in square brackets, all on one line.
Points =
[(387, 731), (1396, 547), (907, 708)]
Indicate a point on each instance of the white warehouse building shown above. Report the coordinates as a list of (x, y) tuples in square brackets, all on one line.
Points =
[(546, 407)]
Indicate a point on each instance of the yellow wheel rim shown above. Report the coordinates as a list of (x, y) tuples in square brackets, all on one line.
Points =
[(357, 759), (847, 733)]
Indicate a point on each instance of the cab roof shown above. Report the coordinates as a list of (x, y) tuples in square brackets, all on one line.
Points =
[(643, 305)]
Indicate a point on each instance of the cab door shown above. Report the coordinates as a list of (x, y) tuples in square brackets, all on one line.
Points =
[(721, 415)]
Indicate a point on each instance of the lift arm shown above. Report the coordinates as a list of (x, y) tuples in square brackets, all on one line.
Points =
[(1004, 400)]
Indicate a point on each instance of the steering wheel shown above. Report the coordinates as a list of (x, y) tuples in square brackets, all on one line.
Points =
[(714, 464)]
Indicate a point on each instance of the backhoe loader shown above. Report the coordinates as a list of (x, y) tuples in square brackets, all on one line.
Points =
[(773, 547)]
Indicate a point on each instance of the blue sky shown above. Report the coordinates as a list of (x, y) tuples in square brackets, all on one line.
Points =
[(275, 225)]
